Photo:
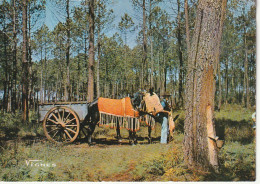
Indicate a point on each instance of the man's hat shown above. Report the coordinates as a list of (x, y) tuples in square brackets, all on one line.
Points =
[(166, 94)]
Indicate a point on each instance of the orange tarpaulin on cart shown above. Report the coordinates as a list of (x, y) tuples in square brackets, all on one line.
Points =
[(118, 107)]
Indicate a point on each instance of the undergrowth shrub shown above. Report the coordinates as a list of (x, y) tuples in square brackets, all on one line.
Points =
[(237, 163), (11, 126), (234, 123), (230, 130)]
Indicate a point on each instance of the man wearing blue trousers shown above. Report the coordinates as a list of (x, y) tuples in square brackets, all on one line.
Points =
[(164, 119)]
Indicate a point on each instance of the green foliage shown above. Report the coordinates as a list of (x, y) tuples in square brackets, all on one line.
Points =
[(12, 127), (234, 123), (9, 124), (237, 163)]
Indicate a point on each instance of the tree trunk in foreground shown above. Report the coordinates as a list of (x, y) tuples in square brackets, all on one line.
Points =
[(90, 97), (200, 150)]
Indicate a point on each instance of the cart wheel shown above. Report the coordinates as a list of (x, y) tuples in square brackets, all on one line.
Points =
[(61, 125)]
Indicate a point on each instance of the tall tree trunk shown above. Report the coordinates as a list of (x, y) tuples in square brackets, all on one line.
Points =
[(186, 7), (152, 65), (98, 59), (90, 97), (159, 71), (14, 106), (9, 90), (30, 56), (45, 72), (226, 81), (144, 63), (180, 55), (200, 150), (217, 64), (25, 67), (246, 81), (164, 73), (151, 44), (106, 80), (125, 65), (233, 87), (6, 70), (85, 58), (78, 80), (6, 67), (56, 87), (42, 69), (219, 87), (67, 86), (5, 97)]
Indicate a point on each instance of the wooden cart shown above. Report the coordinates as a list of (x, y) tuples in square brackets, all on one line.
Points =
[(62, 121)]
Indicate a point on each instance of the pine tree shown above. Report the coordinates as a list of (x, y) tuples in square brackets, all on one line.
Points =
[(200, 149)]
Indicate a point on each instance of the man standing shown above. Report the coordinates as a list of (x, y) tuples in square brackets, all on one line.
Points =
[(161, 110), (163, 116)]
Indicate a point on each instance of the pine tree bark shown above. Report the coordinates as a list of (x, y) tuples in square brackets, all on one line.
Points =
[(151, 44), (99, 54), (246, 81), (200, 150), (186, 10), (179, 38), (67, 86), (226, 81), (78, 80), (217, 64), (30, 57), (41, 83), (6, 81), (144, 63), (14, 106), (45, 71), (25, 66), (233, 87), (219, 87), (5, 64), (90, 96)]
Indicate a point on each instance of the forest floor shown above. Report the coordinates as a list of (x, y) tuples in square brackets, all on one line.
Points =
[(30, 157)]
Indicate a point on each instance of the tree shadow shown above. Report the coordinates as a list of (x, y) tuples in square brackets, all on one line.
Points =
[(228, 130), (241, 172), (239, 131)]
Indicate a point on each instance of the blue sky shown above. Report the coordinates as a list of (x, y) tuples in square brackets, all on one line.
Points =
[(120, 7)]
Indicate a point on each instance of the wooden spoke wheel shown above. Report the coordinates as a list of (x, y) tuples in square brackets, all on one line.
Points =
[(61, 125)]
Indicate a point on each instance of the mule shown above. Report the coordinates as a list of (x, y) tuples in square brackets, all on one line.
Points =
[(94, 115), (93, 118)]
